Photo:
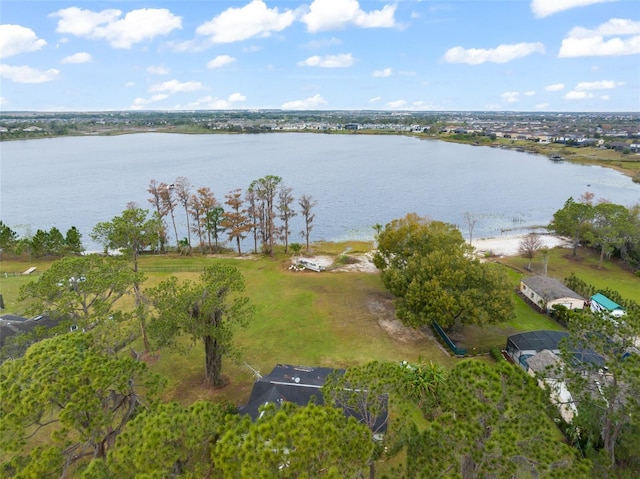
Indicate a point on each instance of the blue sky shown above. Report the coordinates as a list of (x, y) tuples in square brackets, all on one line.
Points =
[(515, 55)]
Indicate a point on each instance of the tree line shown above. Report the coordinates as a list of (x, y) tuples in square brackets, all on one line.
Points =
[(263, 212), (611, 229), (42, 243)]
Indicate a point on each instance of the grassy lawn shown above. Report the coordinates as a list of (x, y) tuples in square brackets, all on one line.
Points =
[(330, 319)]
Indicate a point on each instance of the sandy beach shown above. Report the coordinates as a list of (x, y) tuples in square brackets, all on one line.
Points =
[(508, 245)]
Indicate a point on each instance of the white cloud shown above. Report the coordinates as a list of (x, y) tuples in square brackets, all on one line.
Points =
[(80, 57), (500, 54), (174, 86), (139, 103), (220, 61), (157, 70), (544, 8), (337, 14), (129, 84), (252, 20), (582, 42), (213, 103), (306, 104), (597, 85), (396, 104), (121, 32), (555, 87), (578, 95), (529, 93), (26, 74), (329, 61), (3, 101), (15, 39), (541, 106), (604, 97), (510, 97), (375, 99), (383, 73)]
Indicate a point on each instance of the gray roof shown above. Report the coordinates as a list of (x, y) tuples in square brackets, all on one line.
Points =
[(545, 362), (549, 288)]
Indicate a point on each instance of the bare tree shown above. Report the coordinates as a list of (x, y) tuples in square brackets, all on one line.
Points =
[(155, 189), (200, 205), (266, 190), (168, 204), (306, 206), (529, 246), (471, 224), (236, 220), (252, 212), (182, 188), (285, 199)]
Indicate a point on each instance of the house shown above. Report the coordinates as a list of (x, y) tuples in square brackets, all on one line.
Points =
[(521, 347), (546, 366), (600, 304), (295, 384), (546, 292), (12, 325)]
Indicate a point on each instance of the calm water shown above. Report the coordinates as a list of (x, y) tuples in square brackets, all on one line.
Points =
[(358, 181)]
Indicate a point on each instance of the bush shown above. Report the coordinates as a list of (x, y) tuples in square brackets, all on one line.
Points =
[(496, 354)]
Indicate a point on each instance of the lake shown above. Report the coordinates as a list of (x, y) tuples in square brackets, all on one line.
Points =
[(357, 180)]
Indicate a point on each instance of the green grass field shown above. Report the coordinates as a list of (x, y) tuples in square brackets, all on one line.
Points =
[(333, 319)]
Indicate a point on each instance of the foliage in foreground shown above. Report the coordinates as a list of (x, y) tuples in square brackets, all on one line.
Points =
[(65, 386)]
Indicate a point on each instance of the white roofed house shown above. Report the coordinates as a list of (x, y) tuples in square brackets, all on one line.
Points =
[(545, 292)]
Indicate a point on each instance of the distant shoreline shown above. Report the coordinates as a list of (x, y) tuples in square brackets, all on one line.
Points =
[(582, 155)]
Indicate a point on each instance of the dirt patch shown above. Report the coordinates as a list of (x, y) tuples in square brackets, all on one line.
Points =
[(358, 263), (381, 306)]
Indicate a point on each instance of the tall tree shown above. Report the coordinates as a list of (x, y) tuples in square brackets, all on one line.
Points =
[(83, 398), (83, 289), (427, 266), (55, 244), (156, 189), (169, 440), (294, 442), (491, 423), (203, 210), (529, 247), (266, 190), (572, 220), (254, 216), (307, 203), (131, 232), (236, 220), (214, 226), (285, 200), (607, 389), (182, 187), (364, 392), (611, 228), (471, 221), (168, 201), (73, 241), (209, 311), (8, 238)]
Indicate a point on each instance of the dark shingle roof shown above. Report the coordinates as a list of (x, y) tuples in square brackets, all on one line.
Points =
[(537, 340)]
